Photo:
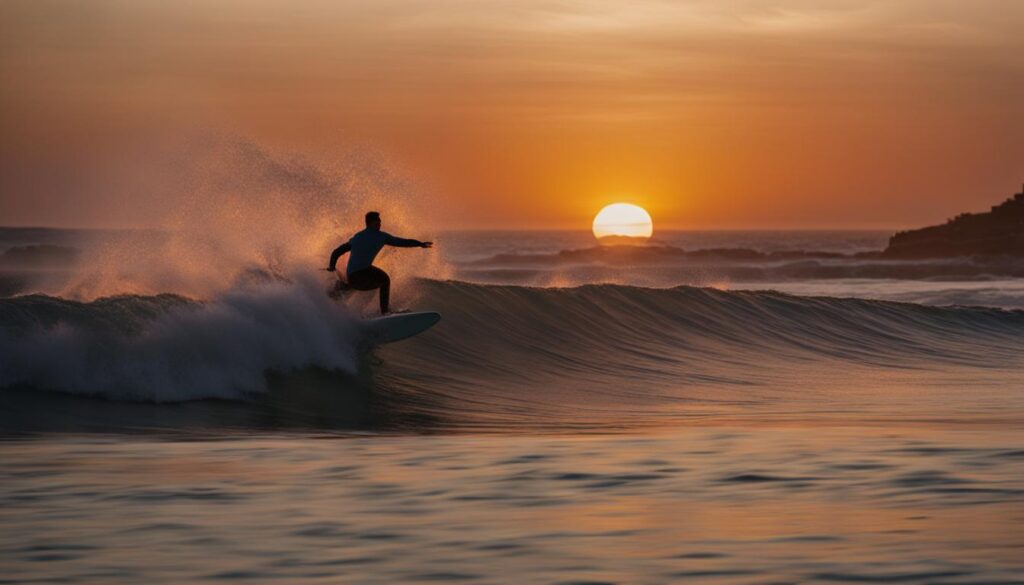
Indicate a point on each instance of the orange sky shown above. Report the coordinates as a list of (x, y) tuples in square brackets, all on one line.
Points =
[(710, 113)]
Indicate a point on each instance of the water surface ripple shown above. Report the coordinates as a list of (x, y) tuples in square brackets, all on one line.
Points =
[(712, 505)]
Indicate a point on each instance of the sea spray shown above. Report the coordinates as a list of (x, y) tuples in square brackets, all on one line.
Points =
[(225, 206)]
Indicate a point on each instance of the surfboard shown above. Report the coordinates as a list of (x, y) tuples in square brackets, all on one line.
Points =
[(392, 328)]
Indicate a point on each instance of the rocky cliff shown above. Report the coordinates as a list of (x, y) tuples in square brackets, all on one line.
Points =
[(998, 232)]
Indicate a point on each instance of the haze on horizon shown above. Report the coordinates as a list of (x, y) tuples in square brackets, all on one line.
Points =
[(710, 114)]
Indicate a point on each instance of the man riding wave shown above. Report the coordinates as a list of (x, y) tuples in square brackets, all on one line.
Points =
[(363, 248)]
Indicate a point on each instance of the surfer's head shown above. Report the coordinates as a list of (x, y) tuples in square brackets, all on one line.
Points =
[(373, 220)]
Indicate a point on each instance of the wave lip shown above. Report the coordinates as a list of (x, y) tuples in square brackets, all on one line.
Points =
[(614, 317)]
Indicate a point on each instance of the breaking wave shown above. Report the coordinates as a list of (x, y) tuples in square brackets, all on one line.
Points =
[(596, 356), (169, 348)]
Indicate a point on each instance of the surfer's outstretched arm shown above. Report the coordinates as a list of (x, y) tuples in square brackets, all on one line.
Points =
[(406, 242), (337, 253)]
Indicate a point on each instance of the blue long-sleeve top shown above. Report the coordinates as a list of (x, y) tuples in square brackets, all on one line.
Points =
[(364, 247)]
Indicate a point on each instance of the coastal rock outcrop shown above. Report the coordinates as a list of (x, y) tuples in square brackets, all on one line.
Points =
[(998, 232)]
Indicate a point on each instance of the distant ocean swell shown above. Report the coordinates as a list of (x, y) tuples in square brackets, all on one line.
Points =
[(669, 266), (500, 350)]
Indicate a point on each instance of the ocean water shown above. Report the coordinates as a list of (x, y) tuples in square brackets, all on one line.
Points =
[(718, 407), (711, 505)]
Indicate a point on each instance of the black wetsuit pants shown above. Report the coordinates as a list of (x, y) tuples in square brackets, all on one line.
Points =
[(372, 278)]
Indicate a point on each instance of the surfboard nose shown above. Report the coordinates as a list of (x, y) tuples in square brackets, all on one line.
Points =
[(392, 328)]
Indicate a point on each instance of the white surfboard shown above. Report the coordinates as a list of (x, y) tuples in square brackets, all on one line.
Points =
[(392, 328)]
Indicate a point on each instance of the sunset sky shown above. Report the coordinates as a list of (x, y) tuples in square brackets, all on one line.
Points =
[(711, 114)]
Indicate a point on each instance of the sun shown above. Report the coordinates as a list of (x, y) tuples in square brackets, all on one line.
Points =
[(623, 220)]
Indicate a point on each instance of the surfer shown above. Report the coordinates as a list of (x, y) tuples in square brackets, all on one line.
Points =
[(363, 248)]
